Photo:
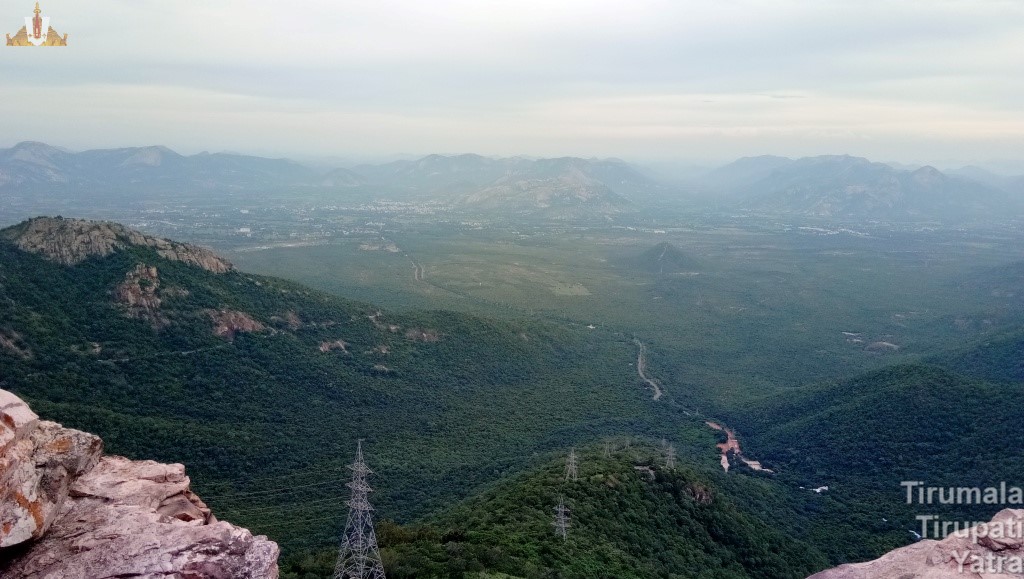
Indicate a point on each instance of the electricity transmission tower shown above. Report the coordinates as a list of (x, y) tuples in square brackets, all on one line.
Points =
[(607, 449), (670, 457), (572, 467), (562, 520), (359, 557)]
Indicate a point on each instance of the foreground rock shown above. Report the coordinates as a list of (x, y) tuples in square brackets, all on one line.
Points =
[(991, 551), (38, 463), (76, 515)]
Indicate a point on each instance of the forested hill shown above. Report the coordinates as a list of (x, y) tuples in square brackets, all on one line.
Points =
[(630, 516), (261, 386), (863, 437), (909, 422)]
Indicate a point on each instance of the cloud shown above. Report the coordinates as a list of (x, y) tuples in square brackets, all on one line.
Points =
[(651, 77)]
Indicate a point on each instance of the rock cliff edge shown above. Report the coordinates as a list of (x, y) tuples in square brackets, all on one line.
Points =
[(67, 511)]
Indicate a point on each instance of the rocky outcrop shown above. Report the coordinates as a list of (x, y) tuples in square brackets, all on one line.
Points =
[(228, 323), (139, 295), (72, 241), (339, 345), (12, 342), (75, 514), (995, 549)]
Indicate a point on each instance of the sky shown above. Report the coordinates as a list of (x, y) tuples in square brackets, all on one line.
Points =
[(893, 80)]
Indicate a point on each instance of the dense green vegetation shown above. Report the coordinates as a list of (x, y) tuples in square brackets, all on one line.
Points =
[(467, 415)]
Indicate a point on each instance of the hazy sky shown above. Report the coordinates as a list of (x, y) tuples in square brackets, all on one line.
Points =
[(904, 80)]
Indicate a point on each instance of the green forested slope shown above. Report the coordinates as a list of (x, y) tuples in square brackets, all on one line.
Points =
[(901, 423), (865, 436), (265, 423), (999, 359)]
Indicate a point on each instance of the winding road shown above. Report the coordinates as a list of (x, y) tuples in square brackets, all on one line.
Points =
[(641, 369)]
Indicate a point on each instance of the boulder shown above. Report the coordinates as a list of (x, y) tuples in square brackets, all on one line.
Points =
[(229, 323)]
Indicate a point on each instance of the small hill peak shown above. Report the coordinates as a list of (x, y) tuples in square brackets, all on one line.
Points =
[(666, 258), (150, 156), (72, 241)]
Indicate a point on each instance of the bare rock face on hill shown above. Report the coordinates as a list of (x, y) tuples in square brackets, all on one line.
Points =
[(75, 514), (138, 294), (229, 323), (992, 550), (72, 241)]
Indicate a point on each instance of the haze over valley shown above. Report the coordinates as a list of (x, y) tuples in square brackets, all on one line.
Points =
[(644, 309), (512, 290)]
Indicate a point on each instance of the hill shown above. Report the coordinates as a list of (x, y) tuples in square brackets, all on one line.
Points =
[(262, 386), (999, 359), (743, 172), (863, 437), (560, 188), (1009, 183), (437, 174), (72, 241), (557, 188), (666, 259)]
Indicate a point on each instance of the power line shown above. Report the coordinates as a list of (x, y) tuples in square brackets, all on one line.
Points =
[(334, 469), (272, 508), (298, 523), (272, 491)]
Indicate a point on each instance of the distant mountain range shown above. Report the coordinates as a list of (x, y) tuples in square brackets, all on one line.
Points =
[(854, 188), (840, 188), (39, 168), (564, 187)]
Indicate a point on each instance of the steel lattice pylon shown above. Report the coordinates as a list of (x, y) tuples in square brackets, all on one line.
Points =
[(562, 521), (572, 472), (359, 557)]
